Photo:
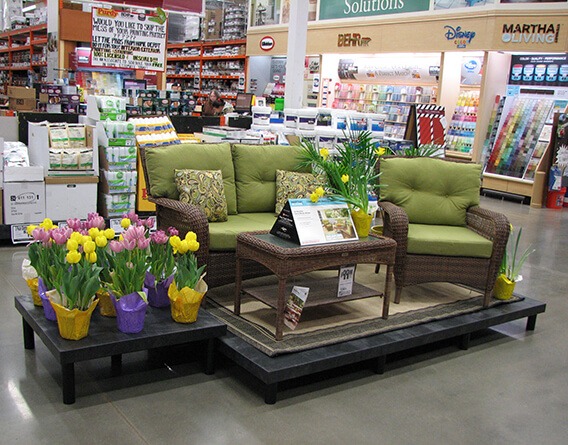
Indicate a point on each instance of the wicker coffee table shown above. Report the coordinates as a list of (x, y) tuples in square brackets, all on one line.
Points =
[(286, 259)]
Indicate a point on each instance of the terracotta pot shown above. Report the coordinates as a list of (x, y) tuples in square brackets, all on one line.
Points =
[(504, 288), (362, 222), (73, 324), (185, 302)]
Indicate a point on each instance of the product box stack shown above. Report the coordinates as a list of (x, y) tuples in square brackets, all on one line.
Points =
[(212, 24), (23, 187), (22, 98), (67, 156), (151, 132), (117, 190), (235, 21), (183, 27), (117, 155)]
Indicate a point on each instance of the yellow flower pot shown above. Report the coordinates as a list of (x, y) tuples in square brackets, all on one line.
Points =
[(185, 302), (73, 324), (106, 308), (504, 288), (362, 222), (33, 285)]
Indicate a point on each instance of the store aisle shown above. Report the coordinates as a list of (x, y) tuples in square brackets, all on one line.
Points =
[(509, 387)]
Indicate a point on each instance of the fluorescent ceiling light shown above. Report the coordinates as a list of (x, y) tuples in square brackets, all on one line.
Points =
[(29, 8)]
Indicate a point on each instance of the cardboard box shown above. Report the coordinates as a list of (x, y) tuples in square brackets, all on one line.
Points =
[(22, 98), (32, 173), (70, 197), (24, 202), (38, 149), (142, 203)]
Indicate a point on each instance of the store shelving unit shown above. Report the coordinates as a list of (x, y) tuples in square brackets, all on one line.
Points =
[(461, 131), (22, 51), (395, 101), (202, 66)]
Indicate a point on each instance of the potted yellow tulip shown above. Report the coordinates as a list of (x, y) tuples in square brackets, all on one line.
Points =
[(76, 284), (188, 288), (509, 272)]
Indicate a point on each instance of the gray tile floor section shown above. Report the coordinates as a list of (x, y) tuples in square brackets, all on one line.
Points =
[(510, 387)]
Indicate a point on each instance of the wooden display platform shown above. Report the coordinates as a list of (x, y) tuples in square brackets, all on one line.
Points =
[(273, 370), (105, 340)]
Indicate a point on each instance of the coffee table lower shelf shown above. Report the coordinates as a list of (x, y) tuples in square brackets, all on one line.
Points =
[(105, 340)]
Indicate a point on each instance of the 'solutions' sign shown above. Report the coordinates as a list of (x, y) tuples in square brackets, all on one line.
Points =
[(122, 39), (345, 9)]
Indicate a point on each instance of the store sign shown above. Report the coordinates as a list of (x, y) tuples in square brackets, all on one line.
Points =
[(461, 37), (345, 9), (405, 70), (122, 39), (354, 39), (266, 43), (530, 33), (539, 70)]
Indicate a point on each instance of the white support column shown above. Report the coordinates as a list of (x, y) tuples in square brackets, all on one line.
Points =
[(53, 42), (297, 37)]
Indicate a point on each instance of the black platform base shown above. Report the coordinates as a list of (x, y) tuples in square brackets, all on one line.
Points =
[(273, 370)]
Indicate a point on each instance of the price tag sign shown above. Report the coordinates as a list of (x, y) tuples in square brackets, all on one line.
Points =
[(346, 275), (19, 233)]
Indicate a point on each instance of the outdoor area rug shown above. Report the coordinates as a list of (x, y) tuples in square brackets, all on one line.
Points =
[(335, 323)]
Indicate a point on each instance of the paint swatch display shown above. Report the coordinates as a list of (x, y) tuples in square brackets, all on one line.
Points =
[(461, 131), (521, 124)]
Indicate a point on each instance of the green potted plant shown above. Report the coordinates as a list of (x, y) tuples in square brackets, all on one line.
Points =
[(509, 272), (351, 174)]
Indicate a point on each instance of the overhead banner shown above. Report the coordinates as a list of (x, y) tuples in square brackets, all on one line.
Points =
[(409, 70), (122, 39), (346, 9)]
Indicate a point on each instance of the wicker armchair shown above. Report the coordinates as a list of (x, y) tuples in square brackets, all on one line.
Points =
[(415, 265)]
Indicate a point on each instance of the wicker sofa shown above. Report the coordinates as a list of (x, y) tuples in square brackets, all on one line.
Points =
[(431, 209), (249, 182)]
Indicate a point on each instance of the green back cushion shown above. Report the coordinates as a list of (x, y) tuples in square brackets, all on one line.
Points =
[(162, 161), (255, 174), (431, 191)]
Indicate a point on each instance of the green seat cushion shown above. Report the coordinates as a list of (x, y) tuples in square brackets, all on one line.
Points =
[(223, 235), (426, 239), (255, 174), (162, 161), (431, 191)]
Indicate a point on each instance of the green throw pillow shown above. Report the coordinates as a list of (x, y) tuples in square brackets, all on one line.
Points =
[(203, 188), (291, 185)]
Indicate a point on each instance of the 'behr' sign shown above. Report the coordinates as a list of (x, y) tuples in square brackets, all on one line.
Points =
[(122, 39), (344, 9)]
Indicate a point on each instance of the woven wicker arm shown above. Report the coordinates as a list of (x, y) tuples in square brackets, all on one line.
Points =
[(184, 217), (395, 225), (493, 226)]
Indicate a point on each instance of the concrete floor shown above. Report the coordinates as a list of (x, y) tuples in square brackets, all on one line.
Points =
[(510, 387)]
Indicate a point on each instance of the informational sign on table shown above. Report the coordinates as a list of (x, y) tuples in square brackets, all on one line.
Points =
[(122, 39), (308, 223)]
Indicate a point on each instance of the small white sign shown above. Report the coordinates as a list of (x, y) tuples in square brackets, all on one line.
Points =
[(295, 305), (346, 276), (20, 234)]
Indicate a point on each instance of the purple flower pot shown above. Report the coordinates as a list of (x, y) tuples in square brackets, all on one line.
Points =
[(158, 291), (47, 307), (130, 312)]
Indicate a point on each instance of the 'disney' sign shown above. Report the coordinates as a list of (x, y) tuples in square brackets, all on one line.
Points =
[(121, 39)]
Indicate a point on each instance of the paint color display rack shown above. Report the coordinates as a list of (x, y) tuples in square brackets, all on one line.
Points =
[(461, 130), (520, 129)]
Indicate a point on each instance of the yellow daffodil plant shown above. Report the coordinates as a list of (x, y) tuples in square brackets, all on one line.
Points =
[(351, 174), (513, 260)]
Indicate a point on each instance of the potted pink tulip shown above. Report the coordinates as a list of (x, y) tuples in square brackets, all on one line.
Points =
[(129, 255), (161, 268)]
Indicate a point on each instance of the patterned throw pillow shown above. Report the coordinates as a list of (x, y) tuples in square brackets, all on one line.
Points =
[(203, 188), (291, 185)]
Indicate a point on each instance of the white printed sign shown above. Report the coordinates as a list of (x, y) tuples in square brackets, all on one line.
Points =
[(122, 39)]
